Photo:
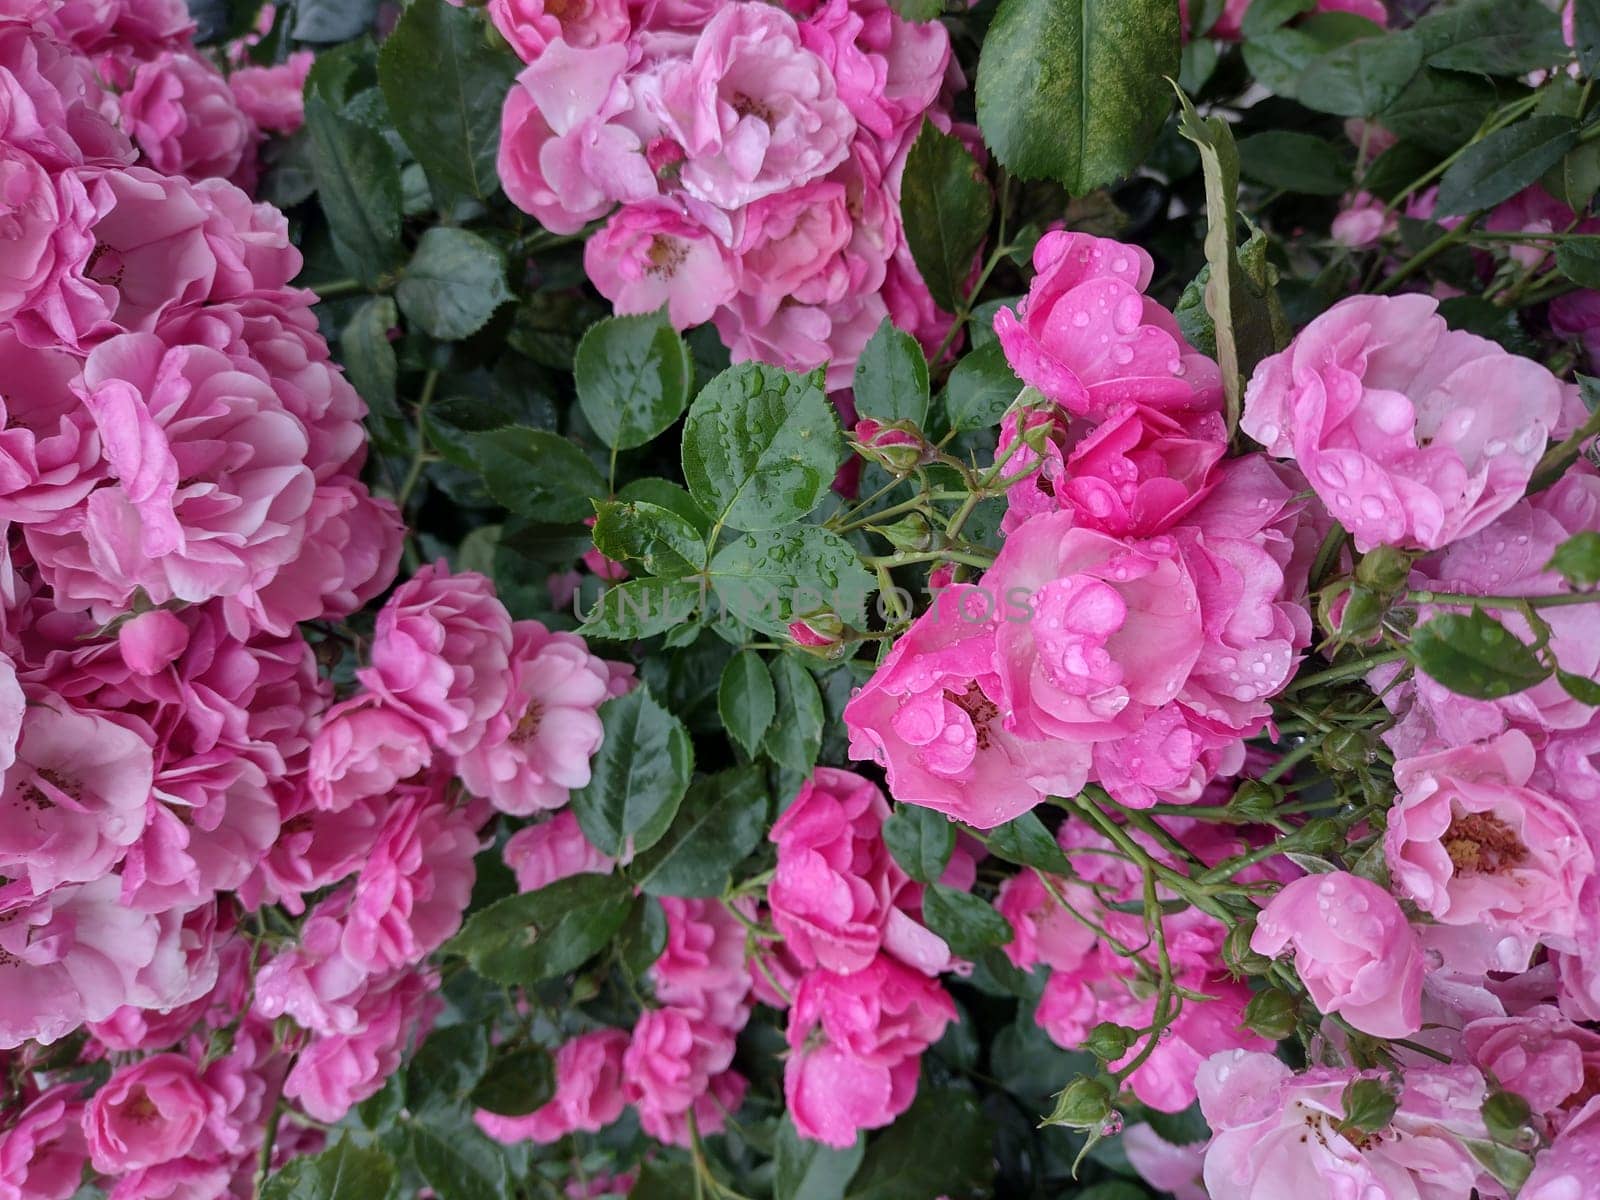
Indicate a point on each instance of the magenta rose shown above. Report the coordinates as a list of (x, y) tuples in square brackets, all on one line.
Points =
[(49, 448), (554, 849), (150, 1112), (363, 749), (589, 1093), (273, 97), (42, 1151), (1390, 415), (1473, 845), (670, 1061), (703, 968), (889, 70), (531, 25), (1088, 337), (185, 120), (1353, 949)]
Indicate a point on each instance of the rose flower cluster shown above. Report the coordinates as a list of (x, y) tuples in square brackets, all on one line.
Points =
[(746, 162), (185, 532)]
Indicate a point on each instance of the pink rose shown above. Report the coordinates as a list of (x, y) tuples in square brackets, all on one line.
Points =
[(1088, 338), (670, 1061), (184, 119), (722, 1098), (565, 157), (1565, 1169), (152, 641), (1387, 412), (531, 25), (42, 1151), (1363, 222), (1227, 24), (1259, 1111), (589, 1093), (651, 254), (363, 749), (148, 1113), (1043, 929), (53, 105), (931, 716), (702, 967), (1539, 1055), (1472, 845), (274, 96), (1165, 1081), (75, 798), (1352, 948), (889, 70), (856, 1044), (554, 849), (49, 448), (441, 655), (537, 748), (791, 248), (1164, 1166)]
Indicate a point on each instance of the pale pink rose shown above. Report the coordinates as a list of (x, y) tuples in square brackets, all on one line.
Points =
[(75, 798), (414, 886), (317, 847), (564, 155), (1471, 844), (1259, 1111), (333, 1074), (722, 1098), (802, 337), (1135, 474), (1164, 1166), (49, 449), (150, 1112), (274, 96), (1165, 1081), (671, 1058), (133, 1028), (181, 1179), (314, 983), (932, 717), (1538, 1054), (753, 110), (1565, 1169), (1088, 338), (53, 105), (856, 1044), (1387, 413), (188, 519), (791, 248), (650, 253), (531, 25), (1352, 948), (703, 966), (1043, 930), (537, 748), (888, 70), (151, 642), (136, 25), (589, 1093), (363, 749), (1363, 222), (554, 849), (42, 1150), (183, 117), (441, 655), (66, 958)]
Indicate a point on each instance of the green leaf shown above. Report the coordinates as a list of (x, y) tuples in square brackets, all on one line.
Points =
[(891, 379), (1475, 314), (807, 1170), (643, 937), (358, 186), (721, 821), (453, 283), (981, 387), (1185, 1128), (1492, 37), (768, 579), (941, 1146), (345, 1172), (632, 375), (1474, 655), (1586, 30), (656, 538), (761, 446), (1361, 77), (945, 206), (445, 83), (1243, 308), (642, 608), (669, 496), (1510, 1167), (538, 474), (370, 364), (1504, 163), (796, 733), (1025, 840), (1440, 110), (517, 1083), (1578, 559), (970, 924), (1296, 162), (746, 700), (660, 1180), (540, 935), (1579, 261), (459, 1164), (446, 1067), (1073, 90), (921, 841), (638, 776), (1581, 689), (1263, 16), (1279, 60), (332, 20)]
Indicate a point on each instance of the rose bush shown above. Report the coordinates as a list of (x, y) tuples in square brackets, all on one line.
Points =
[(836, 599)]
